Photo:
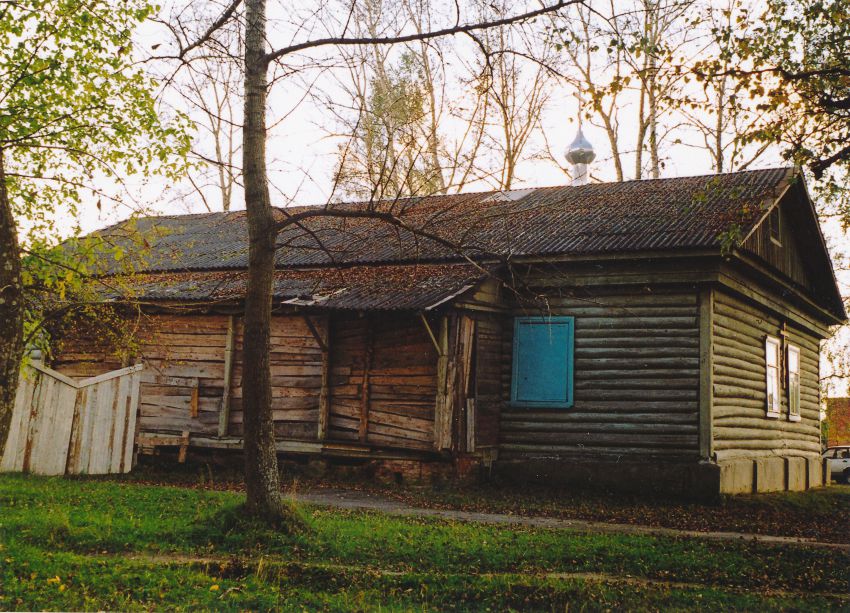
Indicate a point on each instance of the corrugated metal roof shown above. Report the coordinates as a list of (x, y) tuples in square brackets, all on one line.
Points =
[(689, 212), (414, 287)]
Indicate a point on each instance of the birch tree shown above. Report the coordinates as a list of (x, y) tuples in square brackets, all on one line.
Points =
[(626, 60), (262, 478), (517, 81), (414, 128), (73, 106), (211, 93)]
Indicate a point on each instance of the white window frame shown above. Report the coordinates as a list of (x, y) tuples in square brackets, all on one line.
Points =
[(793, 383), (773, 376)]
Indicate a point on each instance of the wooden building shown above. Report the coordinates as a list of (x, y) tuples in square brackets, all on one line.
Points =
[(655, 334)]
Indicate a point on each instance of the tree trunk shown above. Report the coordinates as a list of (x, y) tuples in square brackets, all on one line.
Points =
[(262, 479), (11, 309)]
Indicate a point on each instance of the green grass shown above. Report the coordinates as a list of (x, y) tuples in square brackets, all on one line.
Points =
[(819, 514), (85, 544)]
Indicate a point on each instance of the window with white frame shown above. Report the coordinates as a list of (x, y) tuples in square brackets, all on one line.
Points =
[(793, 383), (771, 360)]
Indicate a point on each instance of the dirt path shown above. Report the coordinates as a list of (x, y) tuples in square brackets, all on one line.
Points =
[(346, 499)]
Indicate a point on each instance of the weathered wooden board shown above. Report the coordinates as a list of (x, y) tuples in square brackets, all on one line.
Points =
[(385, 396), (61, 426)]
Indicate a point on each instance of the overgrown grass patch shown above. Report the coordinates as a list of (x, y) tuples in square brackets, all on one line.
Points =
[(124, 546)]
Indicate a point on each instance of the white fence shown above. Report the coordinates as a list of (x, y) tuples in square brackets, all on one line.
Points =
[(62, 426)]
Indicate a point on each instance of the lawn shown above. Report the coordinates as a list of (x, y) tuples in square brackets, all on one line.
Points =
[(819, 514), (95, 544)]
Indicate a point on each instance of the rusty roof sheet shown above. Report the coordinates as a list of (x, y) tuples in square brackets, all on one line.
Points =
[(403, 287), (678, 213)]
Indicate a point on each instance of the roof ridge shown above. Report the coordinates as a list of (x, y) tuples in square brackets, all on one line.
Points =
[(471, 193)]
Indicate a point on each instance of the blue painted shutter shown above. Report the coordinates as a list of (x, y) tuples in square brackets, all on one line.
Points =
[(543, 362)]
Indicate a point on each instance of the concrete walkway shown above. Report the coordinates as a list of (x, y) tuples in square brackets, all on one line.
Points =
[(347, 499)]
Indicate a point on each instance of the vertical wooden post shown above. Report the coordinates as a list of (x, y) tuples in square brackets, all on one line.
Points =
[(470, 425), (445, 389), (364, 388), (325, 392), (706, 372), (224, 407), (465, 353), (184, 447)]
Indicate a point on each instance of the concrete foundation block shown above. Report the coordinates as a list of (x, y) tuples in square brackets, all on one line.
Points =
[(737, 477), (797, 476), (770, 474), (815, 468)]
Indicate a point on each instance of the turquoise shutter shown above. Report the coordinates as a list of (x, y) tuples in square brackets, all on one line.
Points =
[(543, 362)]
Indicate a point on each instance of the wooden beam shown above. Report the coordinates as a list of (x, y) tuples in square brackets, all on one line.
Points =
[(467, 338), (706, 371), (364, 387), (325, 391), (470, 425), (320, 340), (224, 406), (184, 447), (430, 332), (445, 388)]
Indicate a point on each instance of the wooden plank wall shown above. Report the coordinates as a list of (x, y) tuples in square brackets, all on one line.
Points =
[(296, 368), (183, 385), (81, 355), (488, 379), (636, 380), (786, 258), (383, 381), (184, 355), (740, 426)]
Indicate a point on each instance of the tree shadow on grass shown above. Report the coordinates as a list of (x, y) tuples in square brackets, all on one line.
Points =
[(234, 528)]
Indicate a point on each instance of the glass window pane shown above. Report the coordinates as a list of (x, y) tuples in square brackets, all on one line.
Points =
[(793, 360), (772, 350)]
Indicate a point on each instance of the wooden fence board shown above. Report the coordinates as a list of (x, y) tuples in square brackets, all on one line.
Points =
[(62, 426)]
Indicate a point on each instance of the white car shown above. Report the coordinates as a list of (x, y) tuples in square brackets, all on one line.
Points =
[(838, 462)]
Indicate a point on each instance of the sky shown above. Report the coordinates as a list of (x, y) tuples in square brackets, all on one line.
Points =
[(302, 153), (304, 143)]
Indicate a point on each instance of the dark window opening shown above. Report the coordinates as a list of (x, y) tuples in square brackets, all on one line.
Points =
[(775, 223)]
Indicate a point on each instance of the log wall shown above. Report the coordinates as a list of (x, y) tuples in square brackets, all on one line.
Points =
[(381, 375), (636, 380), (740, 426), (182, 386)]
